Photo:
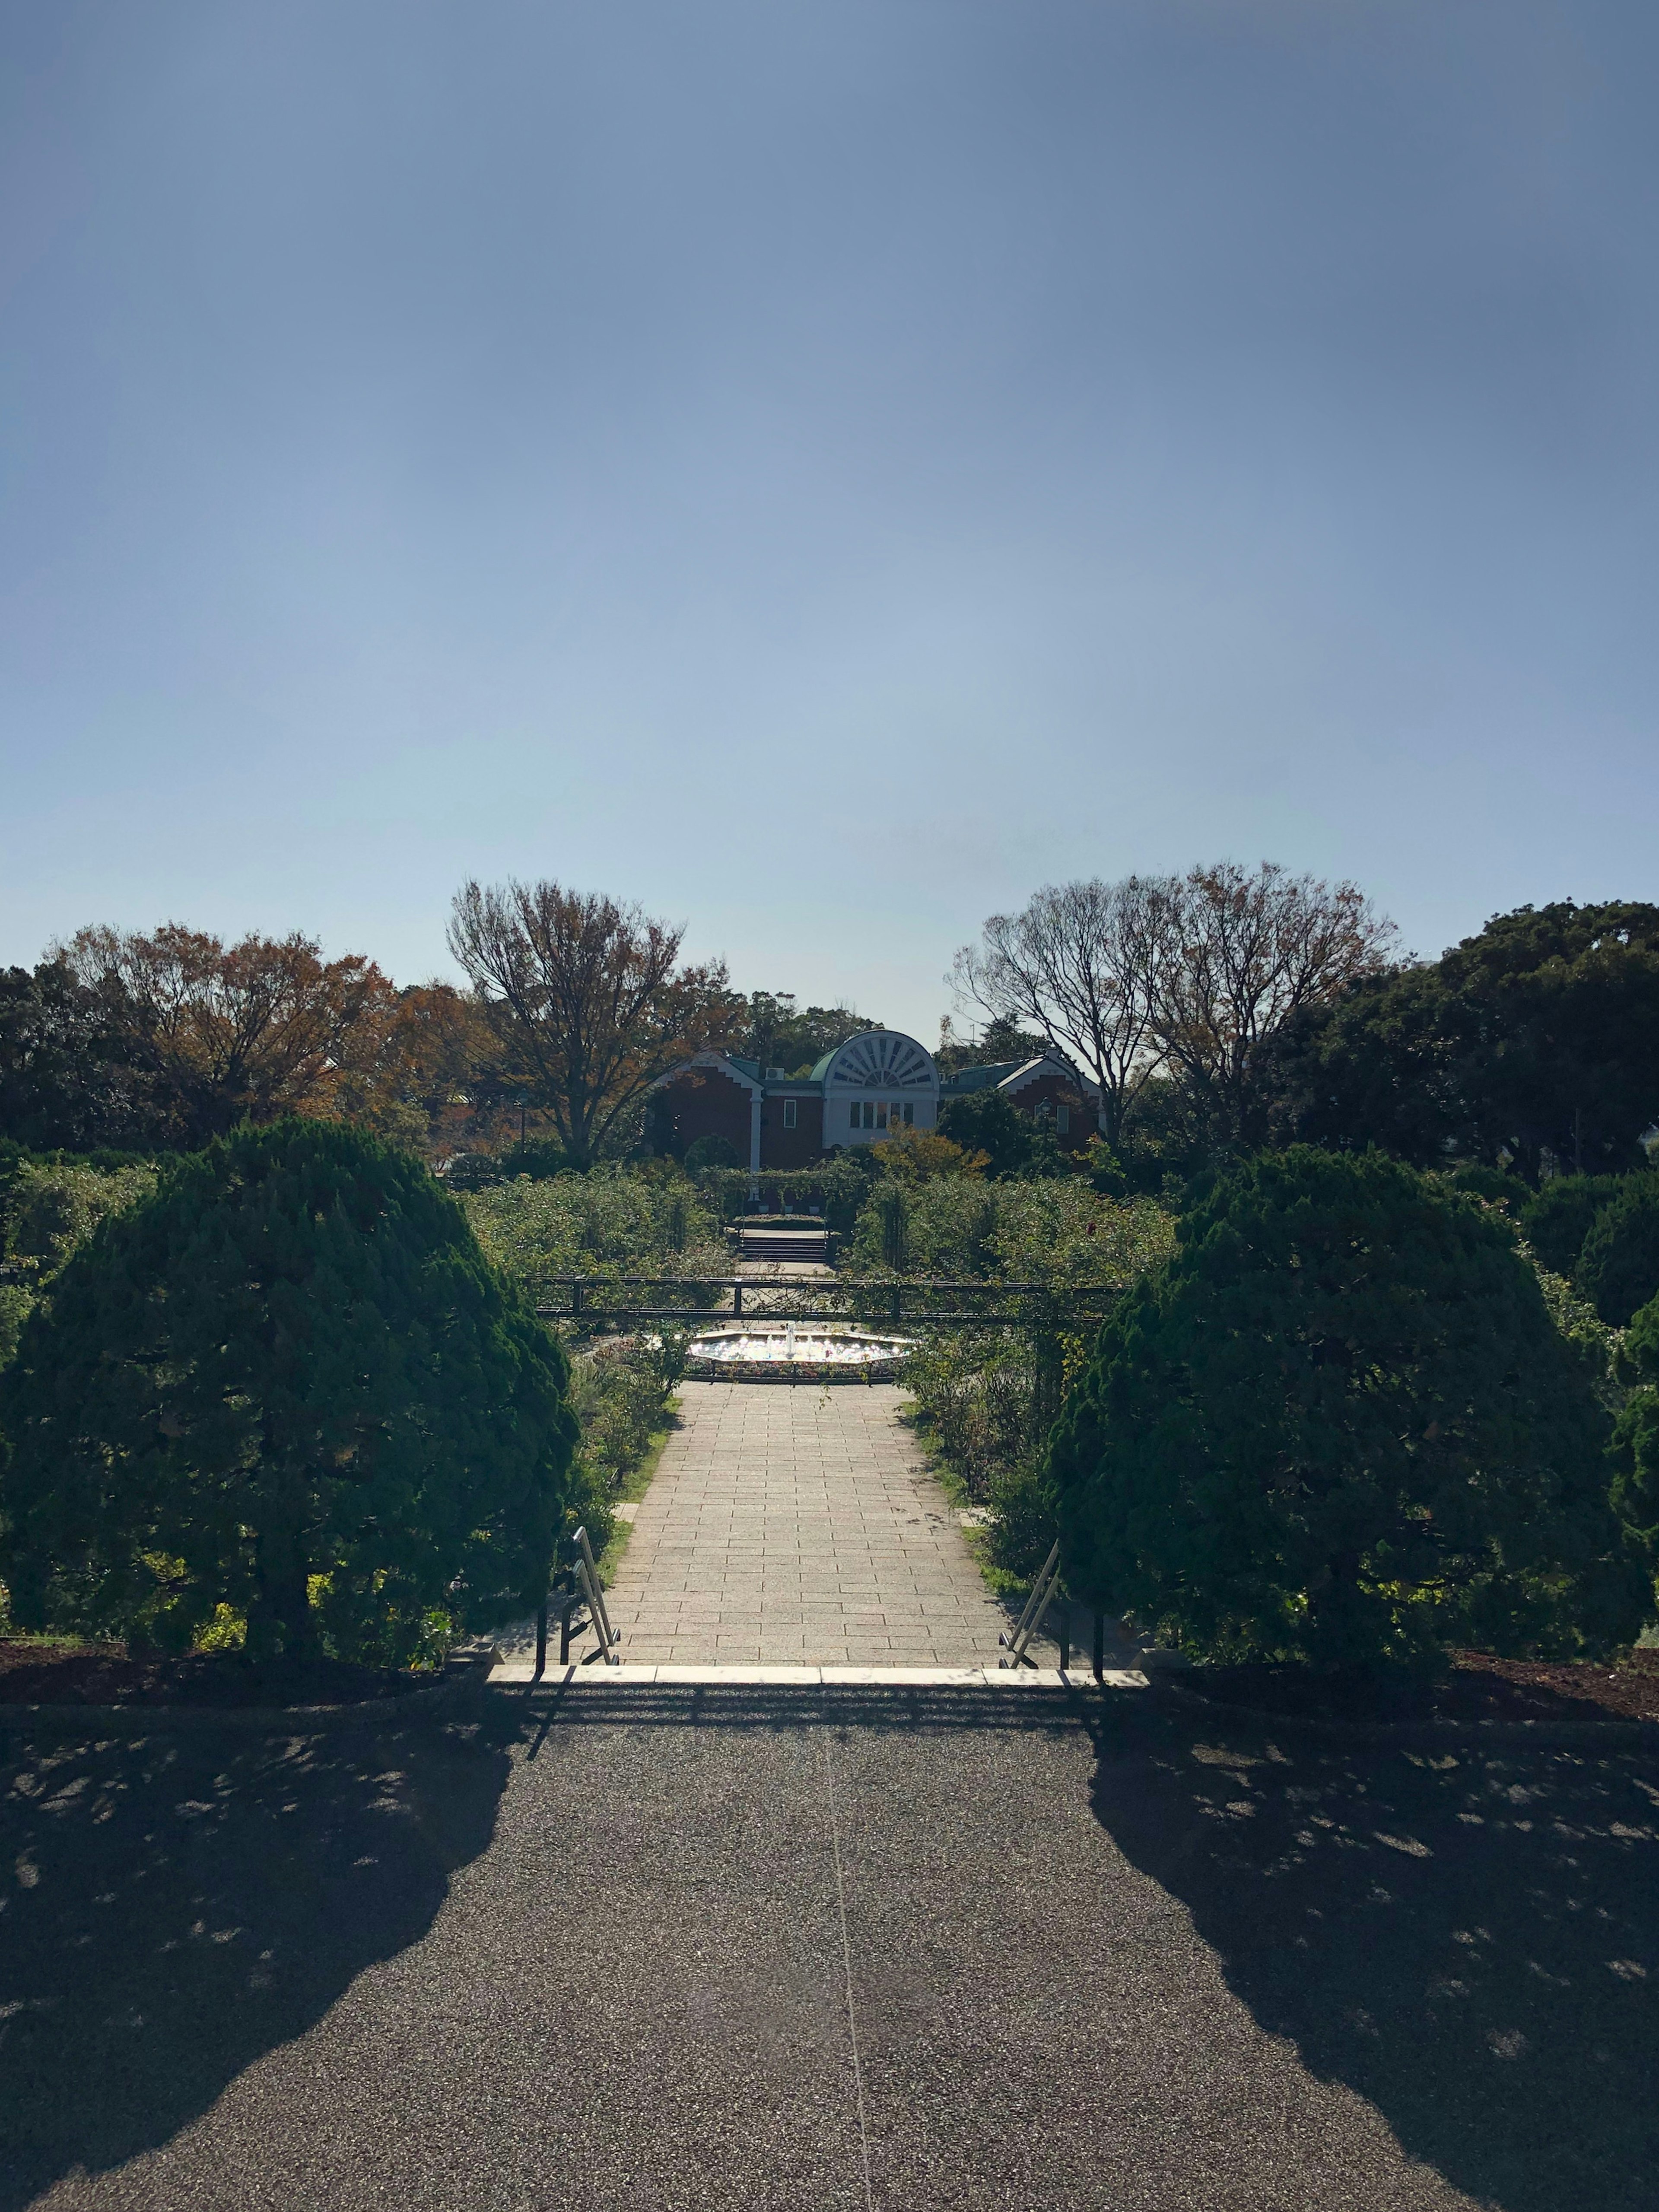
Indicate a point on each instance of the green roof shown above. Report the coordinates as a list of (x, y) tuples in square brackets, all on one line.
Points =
[(978, 1079)]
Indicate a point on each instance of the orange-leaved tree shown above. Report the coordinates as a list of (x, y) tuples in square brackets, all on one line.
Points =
[(222, 1033)]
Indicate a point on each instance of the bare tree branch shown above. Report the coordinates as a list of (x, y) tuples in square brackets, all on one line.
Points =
[(1080, 963), (1242, 951), (586, 999)]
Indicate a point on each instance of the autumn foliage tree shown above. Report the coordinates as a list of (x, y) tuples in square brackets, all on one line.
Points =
[(587, 999), (222, 1033)]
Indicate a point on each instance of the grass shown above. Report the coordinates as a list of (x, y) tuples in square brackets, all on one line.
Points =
[(633, 1488), (1007, 1589)]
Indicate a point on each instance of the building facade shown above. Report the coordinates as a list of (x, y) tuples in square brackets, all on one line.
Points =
[(877, 1082)]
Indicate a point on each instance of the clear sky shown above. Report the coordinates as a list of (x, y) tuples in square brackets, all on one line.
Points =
[(822, 471)]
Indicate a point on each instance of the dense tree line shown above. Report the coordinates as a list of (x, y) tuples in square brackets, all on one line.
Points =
[(1226, 1010)]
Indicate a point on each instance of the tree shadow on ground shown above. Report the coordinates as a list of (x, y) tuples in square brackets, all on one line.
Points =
[(173, 1908), (1467, 1938)]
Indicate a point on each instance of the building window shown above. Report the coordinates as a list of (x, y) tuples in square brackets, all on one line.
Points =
[(788, 1113), (881, 1115), (910, 1114), (1062, 1119)]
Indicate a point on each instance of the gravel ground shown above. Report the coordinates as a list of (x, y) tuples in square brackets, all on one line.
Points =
[(833, 1950)]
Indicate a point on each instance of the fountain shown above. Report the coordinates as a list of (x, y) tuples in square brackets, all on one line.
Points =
[(790, 1352)]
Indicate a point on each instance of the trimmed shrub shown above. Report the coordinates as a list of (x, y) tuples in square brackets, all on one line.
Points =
[(1340, 1427), (1617, 1268), (287, 1384)]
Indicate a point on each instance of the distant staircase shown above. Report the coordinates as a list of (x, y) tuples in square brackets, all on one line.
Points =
[(771, 1245)]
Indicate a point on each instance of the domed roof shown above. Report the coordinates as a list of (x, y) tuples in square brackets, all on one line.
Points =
[(878, 1060)]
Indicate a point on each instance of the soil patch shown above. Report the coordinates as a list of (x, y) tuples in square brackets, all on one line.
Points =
[(1476, 1687), (106, 1675)]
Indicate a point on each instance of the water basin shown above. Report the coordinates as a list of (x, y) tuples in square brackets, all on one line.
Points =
[(788, 1352)]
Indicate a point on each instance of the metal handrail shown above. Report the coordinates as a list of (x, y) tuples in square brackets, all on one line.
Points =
[(587, 1574), (1016, 1643)]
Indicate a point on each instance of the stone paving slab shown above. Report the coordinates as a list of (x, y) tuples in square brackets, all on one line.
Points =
[(799, 1525)]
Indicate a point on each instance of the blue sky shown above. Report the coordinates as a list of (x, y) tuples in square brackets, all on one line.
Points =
[(821, 470)]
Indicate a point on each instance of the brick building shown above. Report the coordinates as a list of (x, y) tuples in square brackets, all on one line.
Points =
[(1047, 1087), (878, 1081)]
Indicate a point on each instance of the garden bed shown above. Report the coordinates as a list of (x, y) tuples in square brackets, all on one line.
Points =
[(1475, 1688), (33, 1674)]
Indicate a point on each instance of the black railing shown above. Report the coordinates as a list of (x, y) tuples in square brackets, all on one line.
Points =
[(913, 1301)]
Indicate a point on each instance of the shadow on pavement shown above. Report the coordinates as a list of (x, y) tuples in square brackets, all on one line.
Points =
[(1470, 1940), (173, 1908)]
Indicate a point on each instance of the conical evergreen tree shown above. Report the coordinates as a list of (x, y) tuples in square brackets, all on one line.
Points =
[(289, 1382), (1341, 1427)]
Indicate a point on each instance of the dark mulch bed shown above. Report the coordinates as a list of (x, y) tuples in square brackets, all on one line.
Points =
[(1476, 1688), (104, 1674)]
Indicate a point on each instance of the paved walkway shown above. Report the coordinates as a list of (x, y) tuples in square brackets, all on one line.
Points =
[(799, 1525), (901, 1956)]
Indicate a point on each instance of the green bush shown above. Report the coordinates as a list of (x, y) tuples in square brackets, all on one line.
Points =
[(51, 1208), (1635, 1454), (1025, 1519), (1506, 1192), (1556, 1221), (1340, 1427), (986, 1121), (1637, 1360), (287, 1384), (621, 1394), (711, 1152), (958, 1227), (1617, 1268), (15, 1305), (617, 1219)]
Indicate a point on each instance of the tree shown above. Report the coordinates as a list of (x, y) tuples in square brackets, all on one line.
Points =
[(286, 1383), (1239, 955), (1536, 1041), (920, 1155), (1557, 1220), (410, 1067), (1617, 1268), (222, 1034), (64, 1083), (587, 1001), (1080, 963), (999, 1042), (1375, 1066), (1557, 1026), (1340, 1427), (1635, 1448), (779, 1034), (987, 1123)]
